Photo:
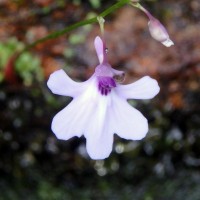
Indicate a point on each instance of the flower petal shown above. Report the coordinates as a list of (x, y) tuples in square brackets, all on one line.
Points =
[(99, 46), (60, 83), (129, 122), (99, 131), (66, 123), (144, 88), (72, 120), (99, 147)]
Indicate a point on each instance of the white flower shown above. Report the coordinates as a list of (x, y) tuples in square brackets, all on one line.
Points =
[(99, 107)]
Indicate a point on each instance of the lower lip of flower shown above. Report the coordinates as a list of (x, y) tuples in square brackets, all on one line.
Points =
[(105, 84)]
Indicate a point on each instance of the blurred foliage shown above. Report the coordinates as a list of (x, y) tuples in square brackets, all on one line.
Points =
[(93, 3), (27, 66)]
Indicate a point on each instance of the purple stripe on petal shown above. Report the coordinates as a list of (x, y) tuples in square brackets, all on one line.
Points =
[(105, 84)]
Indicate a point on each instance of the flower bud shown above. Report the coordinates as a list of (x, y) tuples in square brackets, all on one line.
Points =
[(158, 32), (156, 29)]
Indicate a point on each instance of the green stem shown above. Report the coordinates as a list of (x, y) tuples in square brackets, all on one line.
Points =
[(101, 21), (78, 24)]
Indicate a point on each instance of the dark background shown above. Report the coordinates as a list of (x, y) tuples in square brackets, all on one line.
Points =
[(35, 165)]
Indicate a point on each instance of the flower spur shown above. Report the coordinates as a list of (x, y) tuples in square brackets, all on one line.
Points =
[(99, 108)]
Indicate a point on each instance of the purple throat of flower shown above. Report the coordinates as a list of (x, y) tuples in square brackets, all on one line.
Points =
[(105, 84)]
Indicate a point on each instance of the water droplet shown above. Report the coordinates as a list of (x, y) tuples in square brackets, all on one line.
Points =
[(106, 50)]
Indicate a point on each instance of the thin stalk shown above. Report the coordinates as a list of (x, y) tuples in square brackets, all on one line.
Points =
[(56, 34)]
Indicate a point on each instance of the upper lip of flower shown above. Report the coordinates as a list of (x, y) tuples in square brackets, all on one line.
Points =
[(106, 75), (97, 115)]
